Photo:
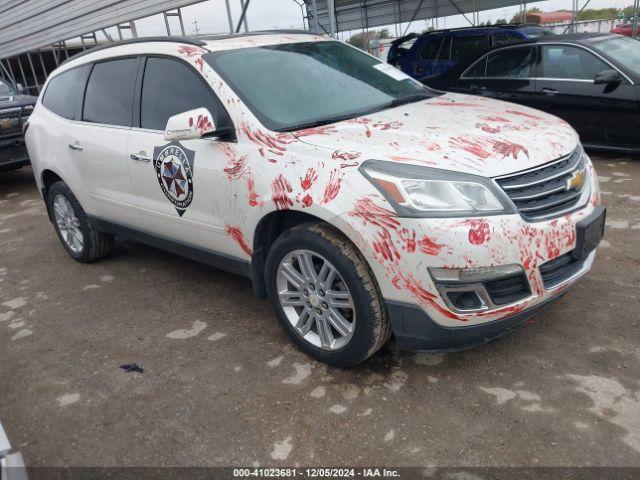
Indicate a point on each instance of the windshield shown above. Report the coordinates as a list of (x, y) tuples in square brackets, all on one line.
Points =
[(624, 50), (299, 85), (6, 89)]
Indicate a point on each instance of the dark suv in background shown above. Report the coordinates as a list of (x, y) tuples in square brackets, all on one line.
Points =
[(15, 108), (433, 53)]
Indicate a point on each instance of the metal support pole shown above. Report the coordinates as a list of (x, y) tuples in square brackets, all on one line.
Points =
[(33, 72), (314, 9), (455, 5), (24, 77), (243, 16), (229, 17), (44, 70), (636, 11), (331, 11)]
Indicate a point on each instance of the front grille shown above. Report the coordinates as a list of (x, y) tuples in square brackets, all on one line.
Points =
[(13, 153), (556, 271), (508, 289), (550, 190), (11, 120)]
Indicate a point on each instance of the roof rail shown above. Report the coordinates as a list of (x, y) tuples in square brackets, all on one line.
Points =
[(189, 41), (224, 36)]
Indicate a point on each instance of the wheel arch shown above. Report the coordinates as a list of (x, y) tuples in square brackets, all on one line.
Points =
[(269, 228)]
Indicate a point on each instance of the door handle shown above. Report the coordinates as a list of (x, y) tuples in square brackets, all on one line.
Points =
[(140, 157), (76, 147), (550, 91)]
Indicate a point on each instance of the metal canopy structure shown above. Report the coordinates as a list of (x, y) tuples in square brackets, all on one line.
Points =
[(342, 15)]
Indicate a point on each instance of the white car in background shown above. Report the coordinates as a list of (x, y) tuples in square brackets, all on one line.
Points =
[(359, 201)]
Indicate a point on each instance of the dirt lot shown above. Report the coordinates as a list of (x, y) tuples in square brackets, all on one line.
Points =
[(222, 385)]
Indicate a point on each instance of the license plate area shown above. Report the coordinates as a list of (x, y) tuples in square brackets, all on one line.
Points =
[(589, 233)]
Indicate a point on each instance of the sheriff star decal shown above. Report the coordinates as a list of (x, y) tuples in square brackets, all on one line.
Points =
[(173, 164)]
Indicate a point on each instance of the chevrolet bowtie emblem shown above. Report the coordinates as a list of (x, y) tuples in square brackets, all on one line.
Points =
[(576, 182)]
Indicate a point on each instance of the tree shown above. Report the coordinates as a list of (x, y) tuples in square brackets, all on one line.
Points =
[(517, 18), (361, 40)]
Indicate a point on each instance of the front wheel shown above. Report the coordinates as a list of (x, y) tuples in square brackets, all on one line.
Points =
[(325, 296)]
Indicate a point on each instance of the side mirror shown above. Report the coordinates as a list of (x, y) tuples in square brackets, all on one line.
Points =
[(192, 124), (607, 77), (21, 88)]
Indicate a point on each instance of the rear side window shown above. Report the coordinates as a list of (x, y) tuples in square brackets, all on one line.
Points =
[(445, 50), (109, 93), (430, 49), (64, 91), (567, 62), (467, 45), (170, 87), (511, 63)]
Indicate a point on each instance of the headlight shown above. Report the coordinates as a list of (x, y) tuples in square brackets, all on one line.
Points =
[(416, 191)]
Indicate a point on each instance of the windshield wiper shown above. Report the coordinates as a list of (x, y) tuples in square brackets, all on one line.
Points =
[(408, 99)]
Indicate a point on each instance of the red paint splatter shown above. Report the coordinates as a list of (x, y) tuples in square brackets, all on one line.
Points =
[(203, 124), (236, 234), (408, 238), (473, 147), (333, 187), (254, 199), (429, 247), (479, 231), (308, 179), (524, 114), (383, 245), (496, 119), (487, 128), (451, 104), (190, 51), (200, 63), (281, 188), (509, 149), (235, 167), (346, 156), (387, 125), (323, 130), (307, 201), (409, 282), (371, 213)]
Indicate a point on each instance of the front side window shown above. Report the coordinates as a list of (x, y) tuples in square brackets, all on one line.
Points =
[(6, 89), (511, 63), (623, 50), (479, 70), (170, 87), (64, 91), (298, 85), (109, 95), (571, 63), (467, 45)]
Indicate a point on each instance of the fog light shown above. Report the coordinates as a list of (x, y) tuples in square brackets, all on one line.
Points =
[(468, 300), (473, 275)]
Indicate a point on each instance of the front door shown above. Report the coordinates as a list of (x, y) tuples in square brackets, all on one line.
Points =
[(179, 186), (600, 113)]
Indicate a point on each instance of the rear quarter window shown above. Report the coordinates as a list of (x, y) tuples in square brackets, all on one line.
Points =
[(64, 92)]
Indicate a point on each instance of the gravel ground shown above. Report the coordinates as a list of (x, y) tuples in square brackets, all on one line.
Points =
[(223, 386)]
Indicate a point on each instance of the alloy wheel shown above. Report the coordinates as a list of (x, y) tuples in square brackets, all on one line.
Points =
[(68, 224)]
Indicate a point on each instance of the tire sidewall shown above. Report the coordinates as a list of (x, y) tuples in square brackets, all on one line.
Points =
[(361, 343), (61, 188)]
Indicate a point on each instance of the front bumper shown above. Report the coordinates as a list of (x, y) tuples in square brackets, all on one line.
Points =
[(13, 154)]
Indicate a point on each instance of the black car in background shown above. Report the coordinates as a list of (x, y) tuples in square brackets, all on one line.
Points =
[(15, 108), (590, 80)]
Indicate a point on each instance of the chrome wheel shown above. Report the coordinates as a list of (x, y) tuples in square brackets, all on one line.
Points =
[(315, 299), (68, 224)]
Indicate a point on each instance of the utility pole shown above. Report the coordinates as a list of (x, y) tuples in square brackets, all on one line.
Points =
[(195, 27)]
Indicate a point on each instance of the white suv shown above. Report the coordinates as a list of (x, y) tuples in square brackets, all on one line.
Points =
[(359, 201)]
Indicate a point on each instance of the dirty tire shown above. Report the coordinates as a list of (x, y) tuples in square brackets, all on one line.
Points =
[(96, 244), (372, 328)]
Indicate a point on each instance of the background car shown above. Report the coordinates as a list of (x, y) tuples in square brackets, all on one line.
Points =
[(435, 52), (590, 80), (624, 29), (15, 108)]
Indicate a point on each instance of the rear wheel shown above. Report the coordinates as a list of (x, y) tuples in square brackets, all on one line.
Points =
[(76, 232), (325, 296)]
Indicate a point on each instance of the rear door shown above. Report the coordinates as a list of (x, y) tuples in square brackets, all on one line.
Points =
[(565, 87), (505, 74), (181, 188), (97, 143)]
